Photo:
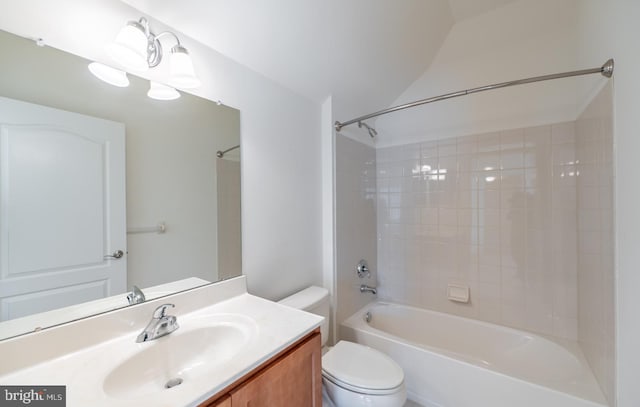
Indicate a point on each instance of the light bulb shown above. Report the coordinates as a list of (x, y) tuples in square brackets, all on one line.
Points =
[(110, 75), (159, 91), (130, 47), (181, 73)]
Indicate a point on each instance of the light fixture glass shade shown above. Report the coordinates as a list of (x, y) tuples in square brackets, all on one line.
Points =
[(130, 47), (110, 75), (181, 74), (162, 92)]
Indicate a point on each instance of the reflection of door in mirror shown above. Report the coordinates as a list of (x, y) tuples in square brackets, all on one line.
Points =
[(57, 235)]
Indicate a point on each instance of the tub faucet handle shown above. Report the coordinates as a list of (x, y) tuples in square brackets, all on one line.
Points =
[(363, 269)]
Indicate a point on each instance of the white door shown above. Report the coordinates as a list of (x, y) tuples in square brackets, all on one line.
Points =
[(62, 208)]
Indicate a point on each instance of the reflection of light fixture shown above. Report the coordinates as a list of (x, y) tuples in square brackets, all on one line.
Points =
[(137, 48), (110, 75), (162, 92)]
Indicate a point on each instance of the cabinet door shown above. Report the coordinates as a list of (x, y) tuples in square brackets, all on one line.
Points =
[(294, 380), (223, 402)]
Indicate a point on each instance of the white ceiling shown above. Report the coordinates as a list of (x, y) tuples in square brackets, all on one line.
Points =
[(519, 40), (362, 52)]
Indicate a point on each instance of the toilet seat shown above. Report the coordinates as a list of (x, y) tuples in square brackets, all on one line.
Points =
[(361, 369)]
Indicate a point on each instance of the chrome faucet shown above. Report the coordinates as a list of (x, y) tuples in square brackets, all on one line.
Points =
[(160, 325), (366, 289), (136, 296)]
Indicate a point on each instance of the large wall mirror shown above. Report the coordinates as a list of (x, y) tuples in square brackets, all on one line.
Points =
[(103, 188)]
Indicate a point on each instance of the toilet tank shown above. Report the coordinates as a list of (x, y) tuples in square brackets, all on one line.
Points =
[(314, 300)]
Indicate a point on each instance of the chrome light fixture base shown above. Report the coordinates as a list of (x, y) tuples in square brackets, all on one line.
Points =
[(138, 48)]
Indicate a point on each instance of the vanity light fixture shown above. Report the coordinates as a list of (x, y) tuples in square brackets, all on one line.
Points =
[(110, 75), (137, 48)]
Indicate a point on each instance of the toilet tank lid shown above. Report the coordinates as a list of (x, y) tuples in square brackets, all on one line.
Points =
[(307, 298)]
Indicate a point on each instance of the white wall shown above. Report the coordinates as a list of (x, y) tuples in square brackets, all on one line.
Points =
[(280, 134), (610, 29), (281, 192), (596, 272), (328, 210)]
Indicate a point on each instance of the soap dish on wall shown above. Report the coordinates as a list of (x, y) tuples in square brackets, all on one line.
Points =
[(458, 293)]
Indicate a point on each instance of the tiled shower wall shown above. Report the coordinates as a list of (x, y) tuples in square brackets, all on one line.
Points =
[(355, 223), (495, 212), (596, 301)]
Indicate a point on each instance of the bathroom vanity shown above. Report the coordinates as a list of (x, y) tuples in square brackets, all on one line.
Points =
[(293, 377), (231, 349)]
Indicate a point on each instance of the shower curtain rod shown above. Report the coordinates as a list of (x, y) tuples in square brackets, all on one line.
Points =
[(605, 70)]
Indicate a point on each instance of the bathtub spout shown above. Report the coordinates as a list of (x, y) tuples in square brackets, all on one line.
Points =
[(365, 288)]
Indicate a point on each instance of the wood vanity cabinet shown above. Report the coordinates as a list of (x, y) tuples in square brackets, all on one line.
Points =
[(223, 402), (293, 378)]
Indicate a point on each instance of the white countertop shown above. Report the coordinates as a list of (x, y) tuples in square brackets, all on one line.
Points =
[(82, 363)]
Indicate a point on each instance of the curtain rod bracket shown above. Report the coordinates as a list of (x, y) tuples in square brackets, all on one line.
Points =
[(607, 68)]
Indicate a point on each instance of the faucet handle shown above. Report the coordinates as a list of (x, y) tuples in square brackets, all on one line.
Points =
[(161, 311), (363, 269)]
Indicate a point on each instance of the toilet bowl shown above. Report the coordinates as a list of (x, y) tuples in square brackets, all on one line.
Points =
[(353, 375), (356, 375)]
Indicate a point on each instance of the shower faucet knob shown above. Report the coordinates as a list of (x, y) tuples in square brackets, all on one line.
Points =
[(363, 269)]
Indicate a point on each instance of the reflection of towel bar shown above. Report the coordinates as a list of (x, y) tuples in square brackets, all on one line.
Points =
[(159, 228)]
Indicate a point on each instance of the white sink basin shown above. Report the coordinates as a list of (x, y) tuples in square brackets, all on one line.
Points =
[(198, 348), (224, 334)]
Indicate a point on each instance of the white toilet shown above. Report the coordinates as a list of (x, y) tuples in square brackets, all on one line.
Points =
[(353, 375)]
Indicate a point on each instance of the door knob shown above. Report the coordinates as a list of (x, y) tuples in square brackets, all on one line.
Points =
[(116, 255)]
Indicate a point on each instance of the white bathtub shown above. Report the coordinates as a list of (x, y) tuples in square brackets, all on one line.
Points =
[(451, 361)]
